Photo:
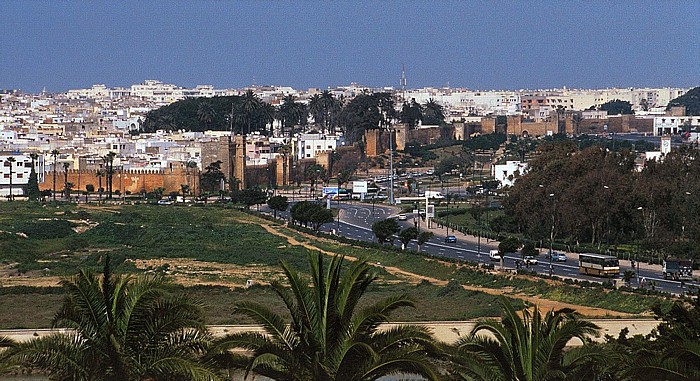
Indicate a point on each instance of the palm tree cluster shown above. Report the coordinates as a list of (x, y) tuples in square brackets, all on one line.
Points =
[(249, 113), (121, 327)]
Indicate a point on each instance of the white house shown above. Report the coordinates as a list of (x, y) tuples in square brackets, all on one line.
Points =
[(672, 125), (20, 170), (308, 146), (507, 173)]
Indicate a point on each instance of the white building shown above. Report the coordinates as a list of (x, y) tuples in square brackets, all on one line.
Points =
[(507, 173), (20, 170), (672, 125), (308, 146)]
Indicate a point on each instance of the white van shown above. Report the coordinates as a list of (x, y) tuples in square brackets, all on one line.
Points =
[(494, 255)]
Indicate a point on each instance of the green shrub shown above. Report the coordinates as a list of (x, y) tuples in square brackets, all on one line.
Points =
[(46, 229)]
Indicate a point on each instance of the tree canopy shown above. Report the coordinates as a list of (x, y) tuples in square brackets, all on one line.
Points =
[(691, 101), (616, 107)]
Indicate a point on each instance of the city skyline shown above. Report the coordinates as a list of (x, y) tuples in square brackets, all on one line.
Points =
[(70, 45)]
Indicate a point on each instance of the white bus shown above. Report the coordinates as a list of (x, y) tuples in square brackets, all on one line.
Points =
[(598, 265)]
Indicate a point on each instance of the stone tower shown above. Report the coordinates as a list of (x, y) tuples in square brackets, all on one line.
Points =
[(283, 167), (237, 161), (372, 143)]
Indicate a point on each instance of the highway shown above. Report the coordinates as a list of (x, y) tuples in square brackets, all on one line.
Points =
[(356, 220)]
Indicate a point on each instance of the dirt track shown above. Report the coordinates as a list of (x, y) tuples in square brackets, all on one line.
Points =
[(543, 304)]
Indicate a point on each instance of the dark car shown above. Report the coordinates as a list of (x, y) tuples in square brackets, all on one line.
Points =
[(450, 239)]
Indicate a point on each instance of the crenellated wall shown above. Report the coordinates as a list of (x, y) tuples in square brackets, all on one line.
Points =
[(132, 180)]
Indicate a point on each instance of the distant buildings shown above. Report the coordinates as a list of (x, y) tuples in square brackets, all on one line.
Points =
[(84, 125)]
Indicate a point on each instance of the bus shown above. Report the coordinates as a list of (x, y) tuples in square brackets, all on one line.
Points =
[(598, 265)]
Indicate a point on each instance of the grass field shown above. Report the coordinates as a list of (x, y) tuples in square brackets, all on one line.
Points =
[(210, 252)]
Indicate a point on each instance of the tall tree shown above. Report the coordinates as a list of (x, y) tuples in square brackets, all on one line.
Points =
[(278, 203), (249, 108), (54, 153), (328, 337), (433, 113), (267, 114), (66, 193), (691, 101), (9, 162), (385, 229), (206, 114), (411, 114), (212, 177), (33, 192), (616, 107), (121, 329), (100, 174), (292, 113), (108, 161)]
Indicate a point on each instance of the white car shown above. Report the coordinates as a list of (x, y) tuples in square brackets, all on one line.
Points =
[(530, 260), (402, 217)]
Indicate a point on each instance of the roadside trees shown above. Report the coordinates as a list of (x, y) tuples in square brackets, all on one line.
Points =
[(385, 229), (424, 237), (509, 245), (278, 203), (407, 235), (306, 212)]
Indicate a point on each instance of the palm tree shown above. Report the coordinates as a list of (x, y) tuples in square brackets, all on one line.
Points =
[(523, 349), (316, 109), (8, 163), (6, 344), (433, 113), (108, 160), (206, 114), (249, 107), (327, 339), (331, 108), (100, 174), (679, 362), (411, 113), (292, 113), (66, 194), (54, 153), (121, 328), (267, 114)]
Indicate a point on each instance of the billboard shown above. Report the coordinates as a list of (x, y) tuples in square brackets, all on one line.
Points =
[(330, 191), (359, 187)]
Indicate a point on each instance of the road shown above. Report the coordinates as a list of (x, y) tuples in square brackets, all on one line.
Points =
[(356, 220)]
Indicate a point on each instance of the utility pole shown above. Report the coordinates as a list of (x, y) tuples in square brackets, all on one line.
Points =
[(391, 165)]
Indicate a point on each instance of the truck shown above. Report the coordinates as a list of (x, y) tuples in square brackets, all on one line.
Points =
[(433, 194), (678, 269)]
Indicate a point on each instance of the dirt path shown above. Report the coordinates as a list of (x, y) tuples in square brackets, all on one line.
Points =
[(543, 304)]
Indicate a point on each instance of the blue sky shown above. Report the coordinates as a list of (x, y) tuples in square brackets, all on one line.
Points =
[(62, 45)]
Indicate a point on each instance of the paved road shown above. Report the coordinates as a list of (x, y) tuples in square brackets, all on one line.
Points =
[(356, 220)]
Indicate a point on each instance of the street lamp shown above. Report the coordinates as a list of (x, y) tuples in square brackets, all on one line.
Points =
[(635, 254), (687, 219), (551, 233)]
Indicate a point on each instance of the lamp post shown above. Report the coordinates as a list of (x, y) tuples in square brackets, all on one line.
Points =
[(687, 220), (636, 269), (551, 233), (447, 223)]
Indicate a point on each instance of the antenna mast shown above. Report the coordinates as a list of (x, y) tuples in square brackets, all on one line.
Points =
[(403, 81)]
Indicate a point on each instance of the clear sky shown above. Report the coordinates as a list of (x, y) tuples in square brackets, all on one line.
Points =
[(476, 44)]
